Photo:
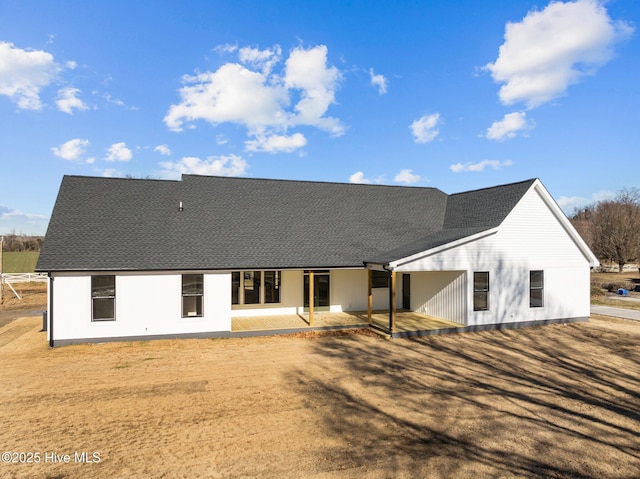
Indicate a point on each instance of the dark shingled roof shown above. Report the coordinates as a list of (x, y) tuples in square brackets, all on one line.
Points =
[(115, 224)]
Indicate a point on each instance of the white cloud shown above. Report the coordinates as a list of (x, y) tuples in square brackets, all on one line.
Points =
[(553, 48), (358, 177), (23, 73), (263, 60), (226, 48), (231, 165), (22, 223), (276, 143), (569, 204), (478, 167), (112, 173), (509, 126), (406, 176), (251, 95), (425, 128), (118, 152), (232, 94), (307, 72), (118, 102), (68, 100), (163, 150), (378, 81), (71, 150)]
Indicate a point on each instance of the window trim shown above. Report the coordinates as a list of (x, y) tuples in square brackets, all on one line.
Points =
[(484, 291), (240, 275), (199, 294), (94, 297), (536, 288), (277, 285)]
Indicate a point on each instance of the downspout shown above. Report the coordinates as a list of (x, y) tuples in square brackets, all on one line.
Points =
[(50, 310)]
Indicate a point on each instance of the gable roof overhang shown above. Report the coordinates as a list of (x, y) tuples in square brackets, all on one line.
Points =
[(393, 261), (452, 238)]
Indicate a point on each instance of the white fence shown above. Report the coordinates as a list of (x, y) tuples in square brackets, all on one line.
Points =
[(10, 278)]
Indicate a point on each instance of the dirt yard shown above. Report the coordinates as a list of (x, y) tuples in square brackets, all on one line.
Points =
[(33, 302), (554, 401)]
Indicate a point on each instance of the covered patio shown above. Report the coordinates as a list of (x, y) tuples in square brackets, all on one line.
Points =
[(407, 324)]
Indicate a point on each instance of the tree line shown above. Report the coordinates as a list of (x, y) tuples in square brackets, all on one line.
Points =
[(21, 242), (611, 228)]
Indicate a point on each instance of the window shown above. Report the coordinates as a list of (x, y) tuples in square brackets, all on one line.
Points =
[(379, 279), (256, 287), (272, 286), (251, 286), (536, 289), (235, 287), (103, 298), (192, 294), (481, 291)]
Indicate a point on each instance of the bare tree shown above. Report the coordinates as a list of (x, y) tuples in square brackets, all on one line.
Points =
[(582, 221), (615, 228)]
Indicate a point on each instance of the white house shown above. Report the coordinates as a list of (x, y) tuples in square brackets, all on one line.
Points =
[(133, 259)]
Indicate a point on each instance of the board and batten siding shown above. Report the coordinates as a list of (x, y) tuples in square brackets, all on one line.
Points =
[(146, 305), (530, 238), (442, 294), (349, 291)]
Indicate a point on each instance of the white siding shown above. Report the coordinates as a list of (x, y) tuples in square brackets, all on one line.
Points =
[(530, 238), (291, 291), (146, 304), (441, 294), (348, 292)]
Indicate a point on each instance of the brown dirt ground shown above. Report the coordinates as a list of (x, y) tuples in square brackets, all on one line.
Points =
[(33, 302), (553, 401)]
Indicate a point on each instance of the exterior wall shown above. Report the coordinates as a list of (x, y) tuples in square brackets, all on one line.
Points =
[(442, 294), (348, 292), (291, 291), (530, 238), (146, 305)]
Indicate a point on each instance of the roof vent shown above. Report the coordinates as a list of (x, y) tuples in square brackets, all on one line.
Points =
[(180, 208)]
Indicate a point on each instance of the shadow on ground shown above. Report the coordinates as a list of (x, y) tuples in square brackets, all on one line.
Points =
[(555, 401)]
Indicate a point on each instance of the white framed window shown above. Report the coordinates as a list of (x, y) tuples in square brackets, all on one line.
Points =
[(536, 289), (192, 295), (256, 287), (103, 298), (481, 291)]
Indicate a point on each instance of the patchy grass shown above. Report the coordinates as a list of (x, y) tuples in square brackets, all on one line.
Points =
[(604, 287)]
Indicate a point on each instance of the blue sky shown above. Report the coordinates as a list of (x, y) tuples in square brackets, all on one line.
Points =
[(452, 95)]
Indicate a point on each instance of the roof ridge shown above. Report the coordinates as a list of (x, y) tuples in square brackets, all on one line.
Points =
[(341, 183), (530, 180), (92, 177)]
